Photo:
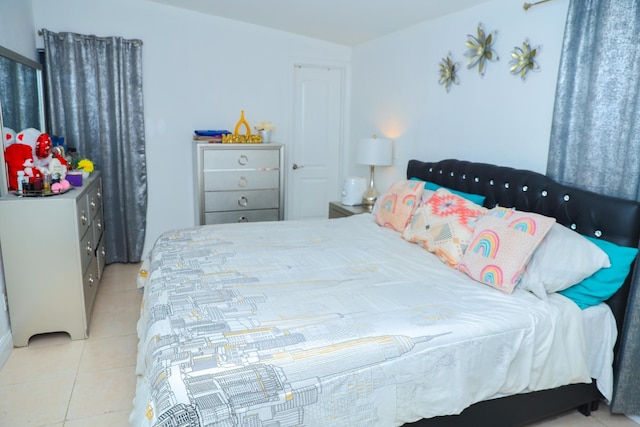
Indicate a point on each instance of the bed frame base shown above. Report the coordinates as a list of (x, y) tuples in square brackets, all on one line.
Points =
[(522, 409)]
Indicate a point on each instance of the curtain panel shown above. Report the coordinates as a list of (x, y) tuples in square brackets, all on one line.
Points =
[(95, 101), (595, 136)]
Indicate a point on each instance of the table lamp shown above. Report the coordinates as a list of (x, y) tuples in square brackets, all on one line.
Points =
[(373, 152)]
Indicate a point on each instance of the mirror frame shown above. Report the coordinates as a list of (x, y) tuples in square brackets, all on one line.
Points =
[(11, 55)]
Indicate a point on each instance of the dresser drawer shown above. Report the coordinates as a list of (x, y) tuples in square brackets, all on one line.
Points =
[(83, 215), (241, 180), (97, 227), (241, 216), (240, 159), (90, 286), (87, 249), (241, 200), (101, 255), (95, 199)]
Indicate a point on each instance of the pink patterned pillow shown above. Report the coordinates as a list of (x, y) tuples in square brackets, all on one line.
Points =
[(398, 204), (502, 244), (444, 225)]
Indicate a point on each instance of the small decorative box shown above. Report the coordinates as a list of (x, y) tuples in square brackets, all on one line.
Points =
[(75, 178)]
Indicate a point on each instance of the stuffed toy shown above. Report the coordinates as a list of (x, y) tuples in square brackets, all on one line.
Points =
[(30, 151), (17, 156), (8, 136), (29, 137)]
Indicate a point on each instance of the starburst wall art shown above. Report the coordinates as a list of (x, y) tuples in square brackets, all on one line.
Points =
[(448, 72), (523, 60), (480, 49)]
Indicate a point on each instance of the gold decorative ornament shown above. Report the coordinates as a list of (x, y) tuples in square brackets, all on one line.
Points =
[(241, 139), (527, 6), (236, 138), (524, 60), (448, 72), (480, 49)]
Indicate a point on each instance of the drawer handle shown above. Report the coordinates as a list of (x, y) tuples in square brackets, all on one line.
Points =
[(243, 182), (83, 217), (242, 201), (89, 248), (243, 160), (103, 251), (99, 225), (90, 280), (93, 203), (243, 219), (99, 194)]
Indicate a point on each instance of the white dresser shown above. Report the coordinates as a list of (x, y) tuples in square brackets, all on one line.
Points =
[(54, 254), (238, 182)]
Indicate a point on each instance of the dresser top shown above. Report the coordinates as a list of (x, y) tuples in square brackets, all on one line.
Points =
[(72, 194)]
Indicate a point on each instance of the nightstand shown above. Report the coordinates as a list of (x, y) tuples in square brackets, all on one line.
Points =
[(338, 210)]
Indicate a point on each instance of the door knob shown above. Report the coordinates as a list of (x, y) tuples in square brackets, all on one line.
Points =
[(297, 166)]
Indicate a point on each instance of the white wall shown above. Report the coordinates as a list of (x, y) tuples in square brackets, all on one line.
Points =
[(496, 119), (16, 33), (199, 72), (17, 27)]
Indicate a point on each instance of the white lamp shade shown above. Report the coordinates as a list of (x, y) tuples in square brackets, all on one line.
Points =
[(375, 152)]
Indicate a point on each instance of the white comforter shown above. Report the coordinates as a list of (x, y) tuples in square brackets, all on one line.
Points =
[(335, 322)]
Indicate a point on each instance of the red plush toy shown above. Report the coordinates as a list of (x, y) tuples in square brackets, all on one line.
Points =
[(17, 157)]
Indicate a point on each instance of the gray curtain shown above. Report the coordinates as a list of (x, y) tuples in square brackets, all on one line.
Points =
[(595, 136), (94, 87)]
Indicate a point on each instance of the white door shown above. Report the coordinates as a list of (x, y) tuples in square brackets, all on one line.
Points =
[(314, 159)]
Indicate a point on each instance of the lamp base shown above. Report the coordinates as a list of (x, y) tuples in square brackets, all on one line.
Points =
[(369, 198)]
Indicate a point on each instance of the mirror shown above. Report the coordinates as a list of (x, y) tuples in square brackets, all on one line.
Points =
[(21, 101)]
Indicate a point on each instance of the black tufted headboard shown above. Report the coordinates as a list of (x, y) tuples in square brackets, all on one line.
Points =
[(613, 219)]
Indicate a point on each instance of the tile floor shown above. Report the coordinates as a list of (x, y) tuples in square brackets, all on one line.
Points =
[(56, 382)]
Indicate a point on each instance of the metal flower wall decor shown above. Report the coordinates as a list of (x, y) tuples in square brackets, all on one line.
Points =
[(523, 60), (480, 49), (448, 72)]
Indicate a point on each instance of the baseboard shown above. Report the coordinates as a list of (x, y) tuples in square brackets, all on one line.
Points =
[(634, 418), (6, 346)]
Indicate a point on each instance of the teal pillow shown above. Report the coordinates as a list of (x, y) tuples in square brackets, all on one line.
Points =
[(606, 281), (475, 198)]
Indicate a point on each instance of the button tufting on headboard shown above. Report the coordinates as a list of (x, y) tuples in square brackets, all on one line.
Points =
[(616, 219)]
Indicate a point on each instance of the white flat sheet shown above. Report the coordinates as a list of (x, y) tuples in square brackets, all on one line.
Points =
[(601, 333), (335, 322)]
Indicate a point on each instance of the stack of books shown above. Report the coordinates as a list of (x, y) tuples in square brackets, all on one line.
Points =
[(210, 136)]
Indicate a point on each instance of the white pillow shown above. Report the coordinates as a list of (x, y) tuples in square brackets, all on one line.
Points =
[(562, 259)]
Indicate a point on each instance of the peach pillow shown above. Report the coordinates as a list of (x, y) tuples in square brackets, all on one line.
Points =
[(398, 204), (503, 242)]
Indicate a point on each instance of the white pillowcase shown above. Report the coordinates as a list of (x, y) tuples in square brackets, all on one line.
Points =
[(562, 259)]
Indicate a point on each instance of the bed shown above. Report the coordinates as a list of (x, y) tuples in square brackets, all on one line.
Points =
[(344, 322)]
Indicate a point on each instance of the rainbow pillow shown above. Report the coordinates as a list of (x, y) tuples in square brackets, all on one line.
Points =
[(398, 204), (502, 244)]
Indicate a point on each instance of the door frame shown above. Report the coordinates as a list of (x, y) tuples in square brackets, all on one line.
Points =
[(293, 146)]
